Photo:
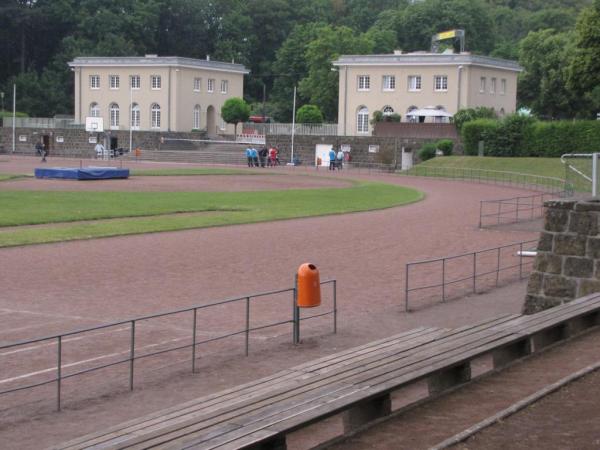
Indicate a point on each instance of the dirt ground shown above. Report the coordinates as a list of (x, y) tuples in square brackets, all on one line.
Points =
[(58, 287), (205, 183)]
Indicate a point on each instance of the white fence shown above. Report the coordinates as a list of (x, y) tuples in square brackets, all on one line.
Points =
[(41, 122), (301, 129)]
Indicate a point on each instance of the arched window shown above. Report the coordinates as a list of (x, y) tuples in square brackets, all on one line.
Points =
[(94, 110), (155, 115), (387, 110), (362, 120), (196, 121), (135, 116), (114, 115)]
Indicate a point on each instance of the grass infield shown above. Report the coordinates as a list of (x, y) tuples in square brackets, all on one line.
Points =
[(66, 216)]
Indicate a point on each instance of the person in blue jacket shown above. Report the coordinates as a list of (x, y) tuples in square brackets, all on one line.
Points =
[(249, 156), (255, 156), (332, 159)]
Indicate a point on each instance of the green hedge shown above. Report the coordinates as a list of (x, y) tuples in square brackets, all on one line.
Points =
[(524, 136), (475, 131)]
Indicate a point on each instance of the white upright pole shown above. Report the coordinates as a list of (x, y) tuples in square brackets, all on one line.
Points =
[(594, 174), (130, 116), (293, 127), (14, 115)]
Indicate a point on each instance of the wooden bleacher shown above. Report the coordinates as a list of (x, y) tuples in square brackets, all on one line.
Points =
[(356, 382)]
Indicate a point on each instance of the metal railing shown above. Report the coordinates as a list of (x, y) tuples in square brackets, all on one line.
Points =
[(41, 122), (513, 210), (194, 311), (524, 180), (463, 271), (285, 129)]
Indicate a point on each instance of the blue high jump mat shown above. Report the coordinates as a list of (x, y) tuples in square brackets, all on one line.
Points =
[(82, 173)]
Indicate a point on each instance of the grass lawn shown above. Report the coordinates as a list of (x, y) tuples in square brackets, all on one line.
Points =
[(190, 171), (145, 212), (547, 167), (10, 176)]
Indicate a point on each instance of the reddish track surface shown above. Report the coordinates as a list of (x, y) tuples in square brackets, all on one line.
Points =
[(58, 287)]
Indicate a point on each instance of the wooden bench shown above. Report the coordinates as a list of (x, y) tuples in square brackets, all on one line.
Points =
[(357, 382)]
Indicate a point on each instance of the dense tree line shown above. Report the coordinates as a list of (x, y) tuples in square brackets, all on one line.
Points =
[(287, 43)]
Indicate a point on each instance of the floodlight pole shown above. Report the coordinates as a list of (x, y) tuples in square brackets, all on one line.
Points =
[(594, 174), (14, 116), (293, 126), (130, 115)]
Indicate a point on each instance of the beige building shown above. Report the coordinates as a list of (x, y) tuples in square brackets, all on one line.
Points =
[(156, 93), (421, 87)]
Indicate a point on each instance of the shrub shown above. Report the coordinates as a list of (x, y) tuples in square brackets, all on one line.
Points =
[(446, 146), (475, 131), (511, 136), (466, 115), (556, 138), (309, 114), (377, 117), (427, 151)]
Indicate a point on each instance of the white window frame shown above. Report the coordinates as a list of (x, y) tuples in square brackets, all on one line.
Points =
[(94, 82), (415, 83), (388, 83), (114, 112), (114, 82), (443, 83), (363, 83), (503, 86), (197, 84), (196, 114), (94, 109), (155, 116), (492, 85), (136, 115), (387, 110), (224, 86), (362, 121), (135, 82), (210, 85), (482, 83), (155, 82), (222, 125)]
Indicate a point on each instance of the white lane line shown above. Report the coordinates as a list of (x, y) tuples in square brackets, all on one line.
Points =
[(35, 313), (12, 330), (78, 363), (69, 339)]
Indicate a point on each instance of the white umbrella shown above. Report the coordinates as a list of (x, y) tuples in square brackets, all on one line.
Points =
[(428, 112)]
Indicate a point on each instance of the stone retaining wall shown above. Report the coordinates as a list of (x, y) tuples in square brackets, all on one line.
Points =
[(388, 152), (567, 265)]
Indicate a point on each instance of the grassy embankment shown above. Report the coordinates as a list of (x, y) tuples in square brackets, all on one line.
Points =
[(547, 167), (66, 216)]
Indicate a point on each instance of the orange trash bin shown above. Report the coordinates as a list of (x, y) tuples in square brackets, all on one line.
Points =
[(309, 286)]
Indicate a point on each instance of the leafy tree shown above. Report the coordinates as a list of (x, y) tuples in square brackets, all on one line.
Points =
[(320, 87), (545, 55), (235, 110), (584, 71), (309, 114)]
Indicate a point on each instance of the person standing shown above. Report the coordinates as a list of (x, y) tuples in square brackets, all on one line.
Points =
[(39, 148), (99, 148), (264, 152), (44, 153), (255, 157), (249, 156), (340, 159), (331, 159)]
